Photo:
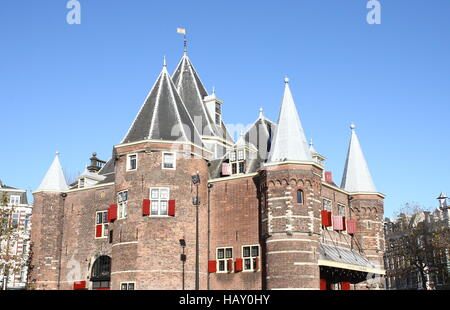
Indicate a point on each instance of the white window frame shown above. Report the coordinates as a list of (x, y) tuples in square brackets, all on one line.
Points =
[(235, 159), (224, 259), (174, 160), (128, 283), (14, 199), (105, 225), (330, 206), (129, 162), (122, 206), (159, 200), (81, 183), (339, 209), (251, 258), (218, 113), (17, 214)]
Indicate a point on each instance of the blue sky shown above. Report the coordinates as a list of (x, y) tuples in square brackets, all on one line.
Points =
[(77, 88)]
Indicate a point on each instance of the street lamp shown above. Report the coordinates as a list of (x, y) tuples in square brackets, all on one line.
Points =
[(196, 203)]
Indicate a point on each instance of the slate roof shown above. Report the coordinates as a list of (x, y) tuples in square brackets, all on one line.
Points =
[(108, 170), (163, 116), (356, 177), (193, 92), (289, 142), (260, 134)]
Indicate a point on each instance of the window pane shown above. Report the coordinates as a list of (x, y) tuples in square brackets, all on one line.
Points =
[(220, 254), (105, 217), (123, 287), (233, 156), (299, 196), (246, 252), (154, 193), (240, 155), (221, 265), (155, 207), (163, 207), (164, 192), (255, 251), (234, 168), (241, 167), (229, 252), (99, 218), (247, 264), (131, 286)]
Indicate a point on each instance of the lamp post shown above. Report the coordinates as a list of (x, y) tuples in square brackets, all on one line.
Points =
[(183, 258), (196, 203)]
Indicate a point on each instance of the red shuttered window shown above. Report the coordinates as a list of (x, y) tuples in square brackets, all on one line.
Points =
[(323, 284), (230, 265), (112, 213), (238, 265), (99, 231), (351, 227), (171, 208), (212, 266), (146, 207)]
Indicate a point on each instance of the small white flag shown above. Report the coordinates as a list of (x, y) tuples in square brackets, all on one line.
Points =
[(181, 30)]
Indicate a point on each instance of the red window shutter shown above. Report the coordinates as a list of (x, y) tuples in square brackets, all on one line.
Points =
[(326, 218), (99, 230), (343, 223), (323, 284), (256, 264), (212, 266), (226, 169), (238, 265), (345, 286), (146, 207), (112, 213), (338, 223), (171, 208), (230, 265), (351, 227), (79, 285)]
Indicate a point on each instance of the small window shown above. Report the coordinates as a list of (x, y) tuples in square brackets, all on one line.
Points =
[(26, 223), (327, 205), (250, 255), (102, 219), (223, 255), (131, 162), (341, 210), (122, 204), (81, 183), (300, 198), (159, 197), (169, 161), (218, 113), (237, 160), (14, 199), (127, 286), (15, 220), (233, 156)]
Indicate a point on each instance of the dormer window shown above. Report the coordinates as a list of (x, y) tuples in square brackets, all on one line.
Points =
[(237, 161), (81, 183), (131, 162), (14, 199)]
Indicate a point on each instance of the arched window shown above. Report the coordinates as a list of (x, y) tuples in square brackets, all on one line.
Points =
[(300, 196), (101, 273)]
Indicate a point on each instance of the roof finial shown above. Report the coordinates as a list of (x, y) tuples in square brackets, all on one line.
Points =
[(164, 64), (311, 142), (57, 153), (352, 126), (183, 32), (286, 80), (214, 90), (261, 112)]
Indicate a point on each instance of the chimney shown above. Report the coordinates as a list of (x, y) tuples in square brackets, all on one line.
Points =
[(329, 177)]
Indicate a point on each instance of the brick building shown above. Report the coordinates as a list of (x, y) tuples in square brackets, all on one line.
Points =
[(14, 237), (433, 259), (265, 215)]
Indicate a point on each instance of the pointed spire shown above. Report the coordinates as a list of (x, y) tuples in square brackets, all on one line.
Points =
[(357, 177), (289, 141), (311, 147), (54, 180)]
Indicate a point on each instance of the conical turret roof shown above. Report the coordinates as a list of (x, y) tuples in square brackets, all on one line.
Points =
[(289, 141), (357, 177), (54, 180), (163, 116)]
